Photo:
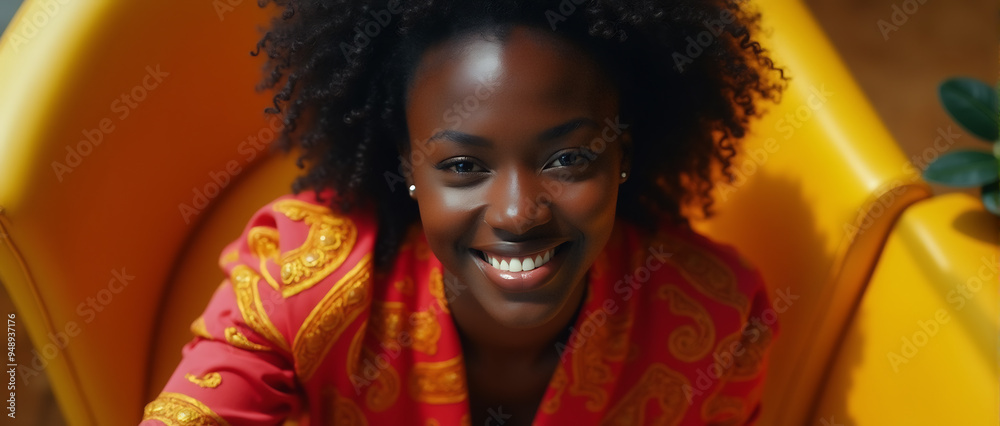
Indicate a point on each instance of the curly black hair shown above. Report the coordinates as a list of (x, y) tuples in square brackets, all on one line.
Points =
[(690, 76)]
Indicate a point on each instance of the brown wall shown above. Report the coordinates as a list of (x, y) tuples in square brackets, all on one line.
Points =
[(943, 38)]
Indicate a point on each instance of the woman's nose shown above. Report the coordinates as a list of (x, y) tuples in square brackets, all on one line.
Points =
[(518, 202)]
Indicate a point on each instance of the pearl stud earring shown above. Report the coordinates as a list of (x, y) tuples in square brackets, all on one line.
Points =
[(413, 190)]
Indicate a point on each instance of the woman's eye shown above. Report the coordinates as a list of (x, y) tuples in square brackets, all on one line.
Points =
[(462, 166), (569, 159)]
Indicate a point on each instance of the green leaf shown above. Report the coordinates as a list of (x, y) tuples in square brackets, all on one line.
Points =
[(973, 104), (991, 197), (963, 169)]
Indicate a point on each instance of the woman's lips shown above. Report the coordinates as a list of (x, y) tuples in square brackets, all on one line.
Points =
[(523, 272)]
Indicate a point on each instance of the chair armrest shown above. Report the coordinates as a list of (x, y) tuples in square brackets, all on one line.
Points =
[(922, 346)]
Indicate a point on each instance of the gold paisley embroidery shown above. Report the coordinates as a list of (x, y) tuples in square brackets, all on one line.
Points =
[(726, 352), (229, 257), (331, 316), (426, 331), (343, 411), (432, 422), (438, 382), (436, 287), (558, 384), (384, 390), (209, 380), (353, 366), (405, 286), (389, 322), (237, 339), (198, 328), (245, 282), (329, 241), (748, 354), (658, 383), (727, 408), (706, 272), (263, 242), (177, 409), (591, 358), (688, 343)]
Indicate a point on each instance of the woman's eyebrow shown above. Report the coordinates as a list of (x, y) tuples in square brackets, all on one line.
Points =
[(566, 128), (460, 138), (547, 135)]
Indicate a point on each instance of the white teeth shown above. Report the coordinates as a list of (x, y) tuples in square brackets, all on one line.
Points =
[(521, 264), (515, 265), (528, 264)]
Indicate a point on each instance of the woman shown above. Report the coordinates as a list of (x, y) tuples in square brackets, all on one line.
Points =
[(537, 268)]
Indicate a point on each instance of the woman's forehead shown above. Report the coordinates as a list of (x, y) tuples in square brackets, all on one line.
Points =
[(525, 63)]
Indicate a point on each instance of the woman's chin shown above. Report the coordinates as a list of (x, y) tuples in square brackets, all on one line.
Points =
[(521, 315), (526, 310)]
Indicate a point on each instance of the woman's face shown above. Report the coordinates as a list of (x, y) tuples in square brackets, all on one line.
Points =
[(516, 156)]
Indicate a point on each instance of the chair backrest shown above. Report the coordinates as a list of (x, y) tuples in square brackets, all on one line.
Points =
[(122, 126), (825, 182), (114, 217)]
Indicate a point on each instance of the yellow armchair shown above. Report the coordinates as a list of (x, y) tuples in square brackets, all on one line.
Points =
[(132, 149)]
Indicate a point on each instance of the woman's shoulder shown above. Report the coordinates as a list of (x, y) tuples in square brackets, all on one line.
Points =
[(714, 268), (296, 255), (302, 237)]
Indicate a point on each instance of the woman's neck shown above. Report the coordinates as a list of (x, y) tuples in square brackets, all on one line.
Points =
[(486, 342)]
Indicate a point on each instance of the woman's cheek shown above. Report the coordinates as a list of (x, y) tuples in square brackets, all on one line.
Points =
[(590, 204), (448, 215)]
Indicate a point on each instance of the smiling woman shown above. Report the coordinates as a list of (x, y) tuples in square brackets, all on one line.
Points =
[(539, 269)]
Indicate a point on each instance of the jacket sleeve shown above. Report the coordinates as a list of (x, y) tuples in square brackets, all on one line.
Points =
[(246, 364), (240, 368), (230, 373)]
